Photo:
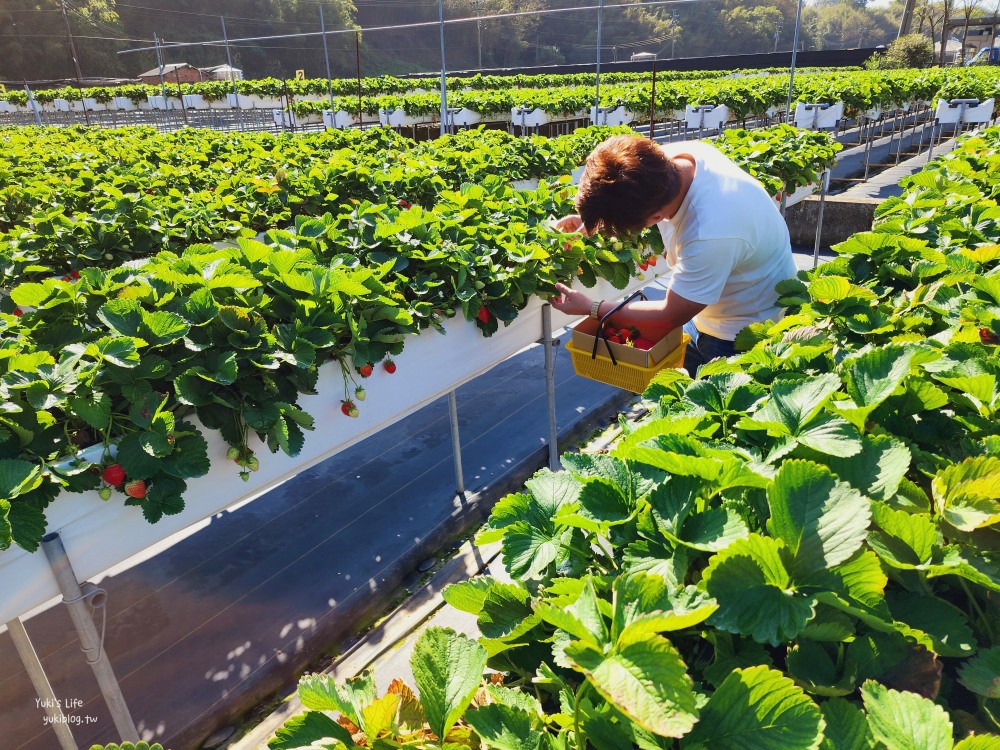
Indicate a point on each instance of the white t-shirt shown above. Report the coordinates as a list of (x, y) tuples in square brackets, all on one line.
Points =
[(728, 244)]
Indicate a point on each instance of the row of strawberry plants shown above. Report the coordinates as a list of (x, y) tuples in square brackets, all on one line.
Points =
[(72, 198), (745, 96), (859, 91), (125, 357), (369, 86), (799, 549)]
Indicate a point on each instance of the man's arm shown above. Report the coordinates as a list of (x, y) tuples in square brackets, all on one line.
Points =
[(668, 313)]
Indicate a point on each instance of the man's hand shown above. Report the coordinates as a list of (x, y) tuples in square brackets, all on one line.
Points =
[(570, 224), (571, 301)]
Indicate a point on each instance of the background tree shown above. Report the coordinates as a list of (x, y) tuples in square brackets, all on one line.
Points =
[(966, 9), (843, 25), (908, 51)]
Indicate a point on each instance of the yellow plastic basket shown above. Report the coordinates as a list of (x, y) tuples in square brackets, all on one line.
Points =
[(624, 375)]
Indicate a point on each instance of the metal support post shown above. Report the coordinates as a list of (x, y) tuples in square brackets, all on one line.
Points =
[(597, 77), (36, 673), (232, 76), (652, 102), (444, 67), (326, 55), (550, 386), (33, 104), (456, 444), (159, 64), (357, 63), (180, 95), (92, 642), (789, 115), (824, 189)]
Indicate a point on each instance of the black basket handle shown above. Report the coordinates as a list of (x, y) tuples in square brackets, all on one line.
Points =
[(604, 319)]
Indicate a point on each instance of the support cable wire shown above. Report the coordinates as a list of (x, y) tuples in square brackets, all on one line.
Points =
[(423, 24)]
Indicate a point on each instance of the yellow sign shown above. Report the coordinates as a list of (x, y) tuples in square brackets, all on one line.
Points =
[(300, 75)]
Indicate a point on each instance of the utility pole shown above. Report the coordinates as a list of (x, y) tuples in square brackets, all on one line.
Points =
[(76, 62), (72, 46)]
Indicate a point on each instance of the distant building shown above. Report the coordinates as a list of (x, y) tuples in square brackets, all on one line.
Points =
[(173, 73), (222, 73)]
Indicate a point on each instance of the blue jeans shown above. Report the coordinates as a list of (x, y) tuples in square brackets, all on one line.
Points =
[(704, 348)]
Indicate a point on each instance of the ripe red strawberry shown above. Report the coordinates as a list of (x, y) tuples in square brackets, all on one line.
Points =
[(987, 336), (390, 366), (405, 204), (483, 315), (74, 274), (136, 488), (365, 370), (349, 409), (114, 474), (18, 311)]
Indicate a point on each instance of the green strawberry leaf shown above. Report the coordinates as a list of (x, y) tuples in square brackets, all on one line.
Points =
[(644, 603), (448, 669), (967, 494), (504, 727), (758, 709), (846, 726), (755, 593), (871, 377), (903, 540), (506, 612), (27, 526), (943, 623), (469, 596), (319, 693), (645, 679), (18, 477), (95, 409), (906, 721), (877, 470), (822, 521), (981, 673), (308, 728)]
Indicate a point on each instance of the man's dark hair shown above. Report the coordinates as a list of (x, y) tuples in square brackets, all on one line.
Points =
[(626, 180)]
